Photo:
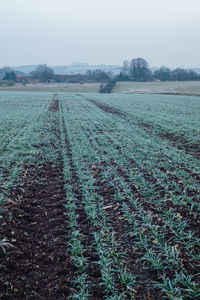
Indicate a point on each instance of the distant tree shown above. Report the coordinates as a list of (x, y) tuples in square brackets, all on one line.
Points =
[(125, 68), (163, 74), (25, 81), (180, 74), (108, 86), (124, 74), (43, 73), (139, 70), (98, 75), (10, 76), (192, 75)]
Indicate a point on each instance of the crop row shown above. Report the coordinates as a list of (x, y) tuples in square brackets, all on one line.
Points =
[(114, 280)]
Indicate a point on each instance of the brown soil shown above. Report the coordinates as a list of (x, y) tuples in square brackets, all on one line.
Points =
[(107, 108), (54, 105), (182, 144), (37, 266), (176, 141), (67, 106), (36, 263)]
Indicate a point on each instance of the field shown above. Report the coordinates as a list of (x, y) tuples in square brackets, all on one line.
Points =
[(99, 196), (169, 87), (55, 87), (126, 87)]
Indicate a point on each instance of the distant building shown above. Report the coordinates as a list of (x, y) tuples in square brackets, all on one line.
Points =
[(26, 79), (33, 80), (50, 81), (60, 78), (20, 79)]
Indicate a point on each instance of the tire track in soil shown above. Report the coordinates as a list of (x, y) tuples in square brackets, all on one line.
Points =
[(54, 105), (37, 266), (182, 166), (108, 109), (149, 176), (176, 141)]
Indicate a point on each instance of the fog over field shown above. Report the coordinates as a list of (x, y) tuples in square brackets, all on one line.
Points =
[(60, 32)]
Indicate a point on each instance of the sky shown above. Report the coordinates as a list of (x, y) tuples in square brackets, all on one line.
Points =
[(62, 32)]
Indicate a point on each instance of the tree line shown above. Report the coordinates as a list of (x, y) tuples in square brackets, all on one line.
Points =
[(10, 76), (44, 73), (135, 70), (138, 70)]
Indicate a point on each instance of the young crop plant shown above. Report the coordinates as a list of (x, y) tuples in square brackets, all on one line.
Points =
[(188, 285), (116, 297), (4, 245), (128, 280), (172, 253), (154, 260), (169, 288), (83, 288), (109, 257), (77, 250)]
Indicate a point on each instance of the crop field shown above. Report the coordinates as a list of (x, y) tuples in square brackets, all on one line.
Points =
[(165, 87), (99, 196), (54, 87)]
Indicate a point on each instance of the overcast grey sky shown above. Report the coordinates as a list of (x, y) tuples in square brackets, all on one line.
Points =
[(60, 32)]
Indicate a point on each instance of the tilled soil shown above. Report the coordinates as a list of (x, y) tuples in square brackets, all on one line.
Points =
[(37, 265), (107, 108), (54, 105)]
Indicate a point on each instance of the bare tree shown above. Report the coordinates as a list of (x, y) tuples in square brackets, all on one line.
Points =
[(43, 73), (139, 70), (125, 68)]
